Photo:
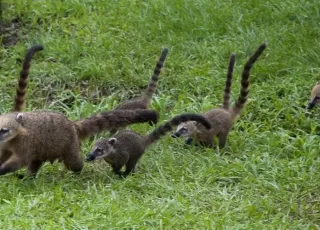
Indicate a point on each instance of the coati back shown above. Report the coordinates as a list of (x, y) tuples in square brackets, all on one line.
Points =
[(126, 147), (315, 96), (19, 104), (143, 102), (31, 138), (221, 118)]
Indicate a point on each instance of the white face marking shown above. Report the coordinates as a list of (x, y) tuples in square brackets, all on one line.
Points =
[(186, 129)]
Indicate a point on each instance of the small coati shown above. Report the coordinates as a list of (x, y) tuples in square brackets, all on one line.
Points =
[(315, 96), (143, 101), (126, 147), (19, 104), (31, 138), (221, 118)]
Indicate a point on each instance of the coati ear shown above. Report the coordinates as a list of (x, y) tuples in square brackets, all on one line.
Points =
[(112, 141), (19, 117)]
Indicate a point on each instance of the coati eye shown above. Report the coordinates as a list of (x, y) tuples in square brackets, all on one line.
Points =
[(184, 129), (4, 130), (99, 151)]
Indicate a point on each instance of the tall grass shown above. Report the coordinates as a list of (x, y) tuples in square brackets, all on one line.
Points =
[(99, 53)]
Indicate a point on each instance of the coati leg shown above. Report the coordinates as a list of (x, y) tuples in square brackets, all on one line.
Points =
[(116, 168), (11, 165), (130, 167), (34, 167), (73, 162), (222, 139), (189, 140), (208, 142)]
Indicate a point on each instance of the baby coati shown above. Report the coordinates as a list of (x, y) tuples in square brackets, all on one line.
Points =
[(221, 118), (144, 101), (31, 138), (315, 96), (19, 104), (126, 147)]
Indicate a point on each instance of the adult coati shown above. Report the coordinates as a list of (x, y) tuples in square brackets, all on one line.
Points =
[(221, 118), (19, 104), (31, 138), (126, 147), (315, 96)]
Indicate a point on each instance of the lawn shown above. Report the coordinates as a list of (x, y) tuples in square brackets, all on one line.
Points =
[(100, 53)]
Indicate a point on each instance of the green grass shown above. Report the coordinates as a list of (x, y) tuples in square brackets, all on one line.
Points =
[(98, 53)]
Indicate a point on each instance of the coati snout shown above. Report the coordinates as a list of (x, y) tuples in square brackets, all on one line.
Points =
[(313, 102), (315, 96), (102, 149)]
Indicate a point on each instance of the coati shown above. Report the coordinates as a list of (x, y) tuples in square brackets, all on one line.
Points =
[(19, 104), (126, 147), (315, 96), (143, 101), (221, 118), (31, 138)]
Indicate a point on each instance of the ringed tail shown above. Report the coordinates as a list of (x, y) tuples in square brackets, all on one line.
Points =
[(155, 76), (113, 120), (169, 125), (242, 99), (227, 89), (19, 102)]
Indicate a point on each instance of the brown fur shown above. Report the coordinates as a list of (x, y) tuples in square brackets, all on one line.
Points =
[(221, 118), (29, 139), (19, 105), (127, 147), (315, 96)]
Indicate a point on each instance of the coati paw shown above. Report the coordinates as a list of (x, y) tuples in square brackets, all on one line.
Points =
[(189, 140), (19, 176)]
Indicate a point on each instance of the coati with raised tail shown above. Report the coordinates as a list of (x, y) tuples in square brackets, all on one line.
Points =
[(126, 147), (315, 96), (144, 101), (19, 104), (31, 138), (221, 118)]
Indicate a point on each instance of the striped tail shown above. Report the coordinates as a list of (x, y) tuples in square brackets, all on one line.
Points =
[(227, 89), (113, 120), (19, 102), (168, 126), (242, 99), (154, 79)]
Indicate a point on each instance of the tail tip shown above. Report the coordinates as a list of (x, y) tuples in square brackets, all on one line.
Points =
[(37, 47), (264, 45), (165, 51)]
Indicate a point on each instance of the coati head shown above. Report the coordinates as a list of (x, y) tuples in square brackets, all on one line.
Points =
[(315, 96), (186, 129), (102, 148), (11, 126)]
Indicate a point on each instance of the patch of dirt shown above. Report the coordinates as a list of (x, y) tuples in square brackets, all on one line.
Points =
[(9, 33)]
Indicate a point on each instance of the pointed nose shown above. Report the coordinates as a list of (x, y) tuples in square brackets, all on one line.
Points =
[(175, 135), (90, 157)]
